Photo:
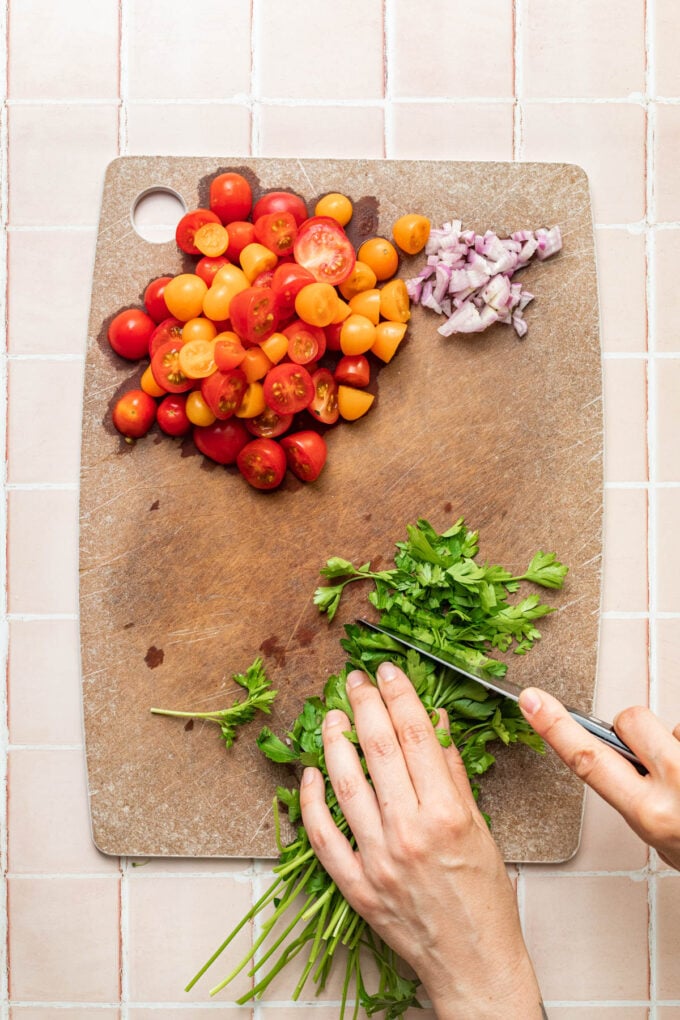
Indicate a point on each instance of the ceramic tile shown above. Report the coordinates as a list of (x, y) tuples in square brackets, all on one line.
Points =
[(667, 558), (608, 959), (668, 928), (623, 666), (665, 30), (44, 705), (666, 378), (85, 63), (49, 819), (182, 1013), (76, 142), (475, 131), (668, 1013), (346, 132), (621, 270), (624, 572), (458, 32), (594, 1012), (90, 1012), (607, 843), (192, 57), (607, 140), (63, 939), (37, 451), (57, 323), (292, 46), (582, 49), (188, 129), (666, 156), (42, 552), (190, 866), (665, 292), (625, 420), (174, 927), (668, 677)]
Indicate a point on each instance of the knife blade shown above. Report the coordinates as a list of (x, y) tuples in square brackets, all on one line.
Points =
[(604, 731)]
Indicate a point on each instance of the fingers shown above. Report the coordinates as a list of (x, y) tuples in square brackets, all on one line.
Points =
[(456, 767), (654, 745), (602, 768), (329, 844), (356, 798)]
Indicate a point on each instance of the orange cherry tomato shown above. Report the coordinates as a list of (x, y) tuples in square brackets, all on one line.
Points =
[(212, 239), (411, 232), (357, 334), (275, 347), (197, 359), (335, 205), (253, 403), (149, 384), (367, 302), (388, 336), (184, 296), (229, 351), (361, 278), (317, 304), (353, 403), (197, 410), (395, 303), (381, 256), (256, 258), (199, 329), (255, 364)]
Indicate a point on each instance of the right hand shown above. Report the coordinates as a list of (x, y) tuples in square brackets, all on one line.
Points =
[(650, 804)]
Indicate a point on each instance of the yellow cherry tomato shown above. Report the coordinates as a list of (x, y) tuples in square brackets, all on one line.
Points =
[(317, 304), (367, 302), (353, 403), (380, 255), (357, 334), (196, 359), (231, 276), (361, 278), (228, 280), (256, 259), (275, 347), (198, 329), (149, 384), (388, 336), (255, 364), (197, 410), (253, 402), (184, 296), (335, 205), (411, 232), (343, 311), (211, 239), (395, 303)]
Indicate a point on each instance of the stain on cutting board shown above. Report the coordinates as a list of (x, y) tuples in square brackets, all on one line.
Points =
[(504, 432)]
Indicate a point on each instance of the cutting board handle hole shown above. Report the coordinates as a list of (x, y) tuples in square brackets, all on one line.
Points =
[(155, 214)]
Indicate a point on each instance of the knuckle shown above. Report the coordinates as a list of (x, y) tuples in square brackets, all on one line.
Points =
[(380, 747), (660, 819), (413, 734), (584, 761), (346, 789)]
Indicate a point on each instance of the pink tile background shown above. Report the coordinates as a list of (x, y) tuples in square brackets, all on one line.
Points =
[(85, 937)]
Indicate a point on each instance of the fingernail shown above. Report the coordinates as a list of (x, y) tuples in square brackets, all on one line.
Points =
[(355, 678), (529, 701), (387, 671), (307, 777)]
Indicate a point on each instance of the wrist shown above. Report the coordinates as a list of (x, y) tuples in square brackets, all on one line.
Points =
[(513, 994)]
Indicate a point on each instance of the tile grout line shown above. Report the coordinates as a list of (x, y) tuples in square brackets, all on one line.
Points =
[(388, 99), (4, 625), (517, 82)]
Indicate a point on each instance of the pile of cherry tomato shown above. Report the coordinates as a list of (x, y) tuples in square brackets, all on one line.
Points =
[(278, 320)]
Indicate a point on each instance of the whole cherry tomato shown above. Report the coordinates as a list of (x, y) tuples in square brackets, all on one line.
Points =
[(207, 267), (129, 333), (231, 197), (287, 281), (172, 415), (281, 201), (134, 414), (222, 441), (154, 302), (241, 233)]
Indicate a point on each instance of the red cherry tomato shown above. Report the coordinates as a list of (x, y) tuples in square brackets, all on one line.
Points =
[(288, 388), (262, 463), (277, 231), (353, 370), (229, 351), (252, 314), (241, 233), (324, 403), (189, 224), (168, 329), (222, 441), (223, 392), (129, 333), (172, 415), (231, 197), (264, 279), (207, 267), (333, 336), (280, 201), (323, 247), (134, 414), (166, 370), (306, 454), (306, 343), (269, 424), (154, 302), (287, 282)]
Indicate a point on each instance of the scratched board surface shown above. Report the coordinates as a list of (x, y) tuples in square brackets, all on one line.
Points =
[(187, 574)]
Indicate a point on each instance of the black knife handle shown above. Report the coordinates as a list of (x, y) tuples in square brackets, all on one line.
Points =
[(605, 732)]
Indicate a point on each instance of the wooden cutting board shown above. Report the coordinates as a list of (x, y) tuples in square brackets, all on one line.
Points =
[(187, 574)]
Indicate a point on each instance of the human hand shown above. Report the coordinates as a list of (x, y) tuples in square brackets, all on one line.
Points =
[(650, 804), (426, 874)]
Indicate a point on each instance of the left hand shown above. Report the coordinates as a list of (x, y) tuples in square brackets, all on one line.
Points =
[(426, 874)]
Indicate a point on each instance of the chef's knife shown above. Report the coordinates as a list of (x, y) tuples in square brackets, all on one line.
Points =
[(499, 685)]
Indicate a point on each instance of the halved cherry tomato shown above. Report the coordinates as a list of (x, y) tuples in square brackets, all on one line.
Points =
[(324, 403), (288, 388), (333, 336), (275, 347), (211, 239), (207, 267), (353, 370), (223, 392), (228, 280), (253, 402), (337, 206), (262, 462), (380, 255), (256, 258), (166, 369), (168, 329), (367, 302), (269, 424), (231, 197), (277, 231), (388, 336), (305, 343), (280, 201), (229, 351), (317, 304), (411, 232), (129, 333), (189, 224), (357, 334), (197, 410), (253, 315), (255, 364), (241, 233), (154, 302), (263, 279), (306, 454), (323, 247), (353, 403), (197, 361), (134, 414), (288, 280), (395, 303), (222, 441), (184, 296), (361, 278), (172, 415), (149, 384)]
